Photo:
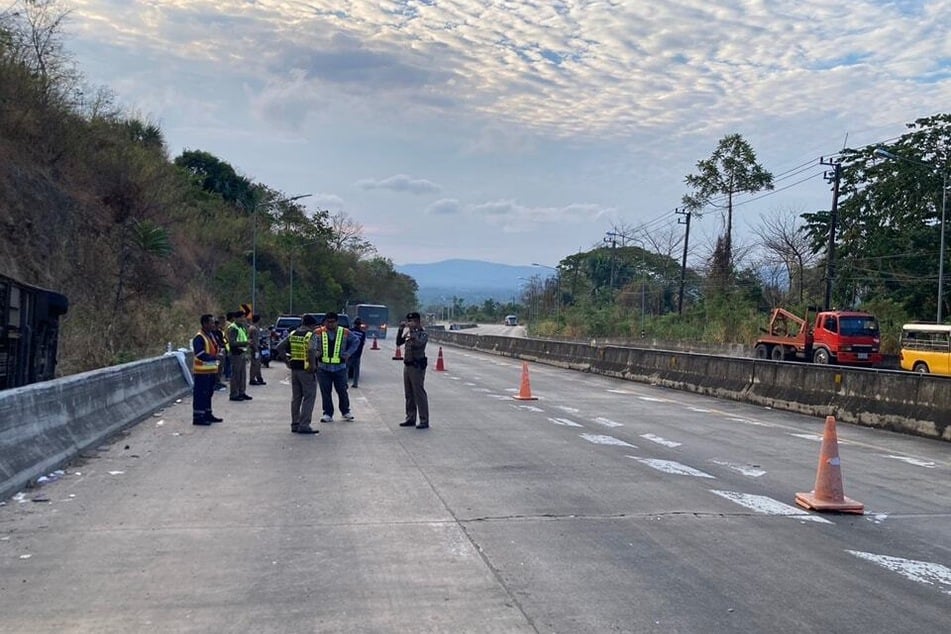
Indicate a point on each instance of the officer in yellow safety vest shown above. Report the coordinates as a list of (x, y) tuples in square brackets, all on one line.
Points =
[(237, 344), (300, 352), (336, 345), (204, 372)]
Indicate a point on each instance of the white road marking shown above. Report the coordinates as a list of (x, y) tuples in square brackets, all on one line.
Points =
[(607, 422), (808, 437), (455, 378), (673, 468), (876, 518), (750, 421), (530, 408), (565, 422), (653, 399), (481, 389), (927, 464), (769, 506), (570, 410), (661, 441), (501, 397), (620, 392), (925, 572), (700, 410), (748, 470), (599, 439)]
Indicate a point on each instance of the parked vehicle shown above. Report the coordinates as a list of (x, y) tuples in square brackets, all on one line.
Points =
[(375, 318), (343, 319), (511, 320), (283, 325), (836, 336), (926, 348)]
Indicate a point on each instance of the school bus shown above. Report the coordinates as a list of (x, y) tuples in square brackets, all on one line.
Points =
[(926, 348)]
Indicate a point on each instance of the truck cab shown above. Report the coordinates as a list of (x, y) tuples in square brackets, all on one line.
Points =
[(842, 337)]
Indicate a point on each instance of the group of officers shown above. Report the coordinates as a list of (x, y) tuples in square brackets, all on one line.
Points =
[(319, 356)]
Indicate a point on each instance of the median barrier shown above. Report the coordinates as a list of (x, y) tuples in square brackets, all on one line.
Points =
[(45, 425), (904, 402)]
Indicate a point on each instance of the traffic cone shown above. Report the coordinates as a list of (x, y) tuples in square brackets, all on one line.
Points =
[(399, 354), (525, 390), (440, 365), (375, 346), (828, 494)]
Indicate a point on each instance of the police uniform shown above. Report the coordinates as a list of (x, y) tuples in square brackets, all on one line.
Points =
[(414, 339)]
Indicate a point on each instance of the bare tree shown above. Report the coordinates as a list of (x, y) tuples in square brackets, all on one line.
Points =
[(786, 244), (347, 235)]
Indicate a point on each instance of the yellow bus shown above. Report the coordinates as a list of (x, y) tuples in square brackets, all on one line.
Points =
[(926, 348)]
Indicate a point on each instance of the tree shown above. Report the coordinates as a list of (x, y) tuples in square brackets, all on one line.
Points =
[(731, 170), (786, 243), (889, 220)]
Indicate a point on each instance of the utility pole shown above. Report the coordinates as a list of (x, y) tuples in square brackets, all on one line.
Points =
[(832, 176), (612, 240), (683, 263)]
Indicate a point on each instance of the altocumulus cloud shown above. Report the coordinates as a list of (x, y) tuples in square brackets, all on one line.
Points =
[(401, 183)]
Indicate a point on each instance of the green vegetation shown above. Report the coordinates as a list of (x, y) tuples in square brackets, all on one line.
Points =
[(92, 206), (142, 243)]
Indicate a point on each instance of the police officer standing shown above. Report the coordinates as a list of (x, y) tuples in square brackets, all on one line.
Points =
[(254, 342), (303, 362), (414, 337), (238, 343), (204, 372)]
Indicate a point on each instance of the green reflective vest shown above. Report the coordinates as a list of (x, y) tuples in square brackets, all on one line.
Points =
[(300, 344), (325, 346)]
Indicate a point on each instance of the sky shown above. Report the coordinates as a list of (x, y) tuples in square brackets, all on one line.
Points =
[(517, 131)]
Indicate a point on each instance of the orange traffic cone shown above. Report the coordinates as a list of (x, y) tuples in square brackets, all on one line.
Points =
[(828, 494), (399, 354), (440, 365), (375, 346), (525, 390)]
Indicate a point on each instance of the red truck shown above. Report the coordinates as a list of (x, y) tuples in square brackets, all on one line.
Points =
[(836, 336)]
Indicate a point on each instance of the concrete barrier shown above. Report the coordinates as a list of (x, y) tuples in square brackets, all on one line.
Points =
[(44, 425), (905, 402)]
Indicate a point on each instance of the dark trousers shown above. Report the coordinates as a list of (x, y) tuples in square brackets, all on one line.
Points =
[(329, 382), (303, 397), (201, 395), (353, 369), (239, 375), (414, 391)]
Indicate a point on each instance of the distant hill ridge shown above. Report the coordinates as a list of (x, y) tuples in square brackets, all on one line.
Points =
[(472, 280)]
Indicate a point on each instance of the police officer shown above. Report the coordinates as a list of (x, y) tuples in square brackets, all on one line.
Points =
[(254, 342), (237, 344), (302, 361), (414, 337), (204, 372)]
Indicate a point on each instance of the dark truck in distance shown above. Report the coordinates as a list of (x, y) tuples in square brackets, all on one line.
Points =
[(835, 336)]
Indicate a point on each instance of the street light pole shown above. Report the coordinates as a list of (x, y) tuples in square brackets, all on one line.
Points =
[(944, 205), (254, 242), (558, 285)]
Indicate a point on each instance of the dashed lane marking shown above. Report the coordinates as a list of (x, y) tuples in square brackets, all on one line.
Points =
[(925, 572), (673, 468), (769, 506), (600, 439), (918, 462), (565, 421), (661, 441), (752, 471), (607, 422)]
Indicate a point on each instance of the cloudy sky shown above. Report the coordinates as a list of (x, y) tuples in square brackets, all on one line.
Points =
[(519, 131)]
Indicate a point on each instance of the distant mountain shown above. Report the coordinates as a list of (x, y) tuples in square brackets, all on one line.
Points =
[(472, 280)]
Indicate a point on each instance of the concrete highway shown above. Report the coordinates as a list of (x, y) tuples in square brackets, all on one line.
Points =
[(603, 506)]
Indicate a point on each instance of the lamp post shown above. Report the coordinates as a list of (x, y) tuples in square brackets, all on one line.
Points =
[(558, 285), (254, 242), (882, 152)]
